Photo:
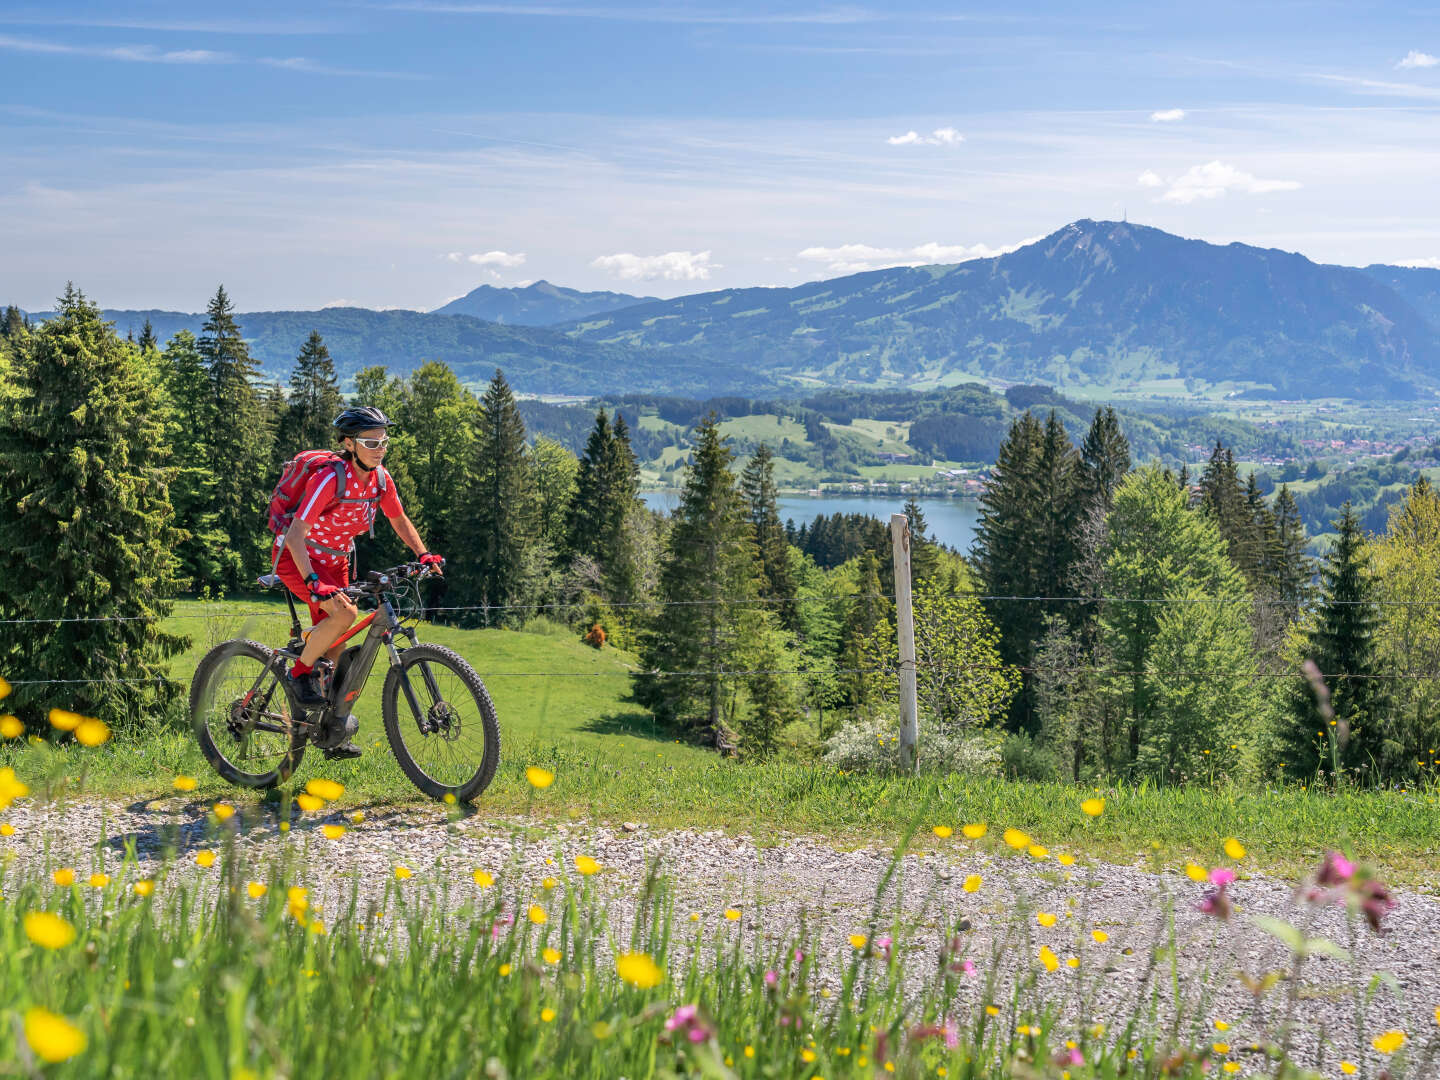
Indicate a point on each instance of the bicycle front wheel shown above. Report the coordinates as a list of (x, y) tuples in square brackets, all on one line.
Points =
[(441, 723), (242, 716)]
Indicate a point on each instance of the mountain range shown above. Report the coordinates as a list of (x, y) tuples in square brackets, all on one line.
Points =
[(537, 304), (1096, 304)]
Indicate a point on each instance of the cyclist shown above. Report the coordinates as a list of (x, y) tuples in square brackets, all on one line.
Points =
[(314, 562)]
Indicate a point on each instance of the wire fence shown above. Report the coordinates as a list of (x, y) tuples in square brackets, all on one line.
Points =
[(835, 599)]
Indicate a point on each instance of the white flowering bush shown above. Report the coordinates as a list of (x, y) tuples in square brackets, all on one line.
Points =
[(872, 744)]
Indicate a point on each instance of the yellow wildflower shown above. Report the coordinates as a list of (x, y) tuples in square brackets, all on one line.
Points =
[(546, 1015), (1195, 872), (639, 970), (92, 732), (1017, 839), (548, 883), (807, 1055), (357, 817), (48, 929), (184, 783), (64, 719), (539, 778), (975, 831), (1044, 918), (11, 727), (858, 941), (600, 1030), (4, 688), (1048, 958), (944, 832), (403, 873), (1389, 1042), (333, 832), (98, 881), (308, 802), (1348, 1068), (329, 790), (537, 915), (1221, 1025), (1093, 807), (144, 887), (53, 1038), (550, 956), (971, 883), (223, 811), (63, 877), (11, 787), (1100, 936), (586, 865), (1037, 851), (1234, 848), (1220, 1047), (1073, 962), (205, 858), (732, 914), (483, 879), (256, 889), (1065, 860)]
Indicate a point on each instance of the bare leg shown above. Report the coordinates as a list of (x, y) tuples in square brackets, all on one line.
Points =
[(340, 616)]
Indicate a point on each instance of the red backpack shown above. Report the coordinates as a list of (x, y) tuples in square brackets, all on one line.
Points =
[(295, 477)]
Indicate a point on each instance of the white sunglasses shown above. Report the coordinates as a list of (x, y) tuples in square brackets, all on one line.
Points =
[(374, 444)]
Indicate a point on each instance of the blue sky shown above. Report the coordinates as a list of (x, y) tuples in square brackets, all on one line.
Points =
[(397, 153)]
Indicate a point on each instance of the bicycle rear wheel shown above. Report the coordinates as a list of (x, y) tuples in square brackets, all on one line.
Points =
[(441, 723), (242, 716)]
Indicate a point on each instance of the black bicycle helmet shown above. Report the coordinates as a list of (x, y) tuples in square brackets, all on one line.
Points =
[(353, 421)]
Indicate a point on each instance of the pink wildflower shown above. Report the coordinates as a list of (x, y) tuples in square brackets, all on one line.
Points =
[(799, 956), (968, 967), (1375, 903), (1335, 870), (1222, 876), (771, 978)]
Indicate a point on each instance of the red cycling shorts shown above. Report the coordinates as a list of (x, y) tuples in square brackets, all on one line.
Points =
[(289, 573)]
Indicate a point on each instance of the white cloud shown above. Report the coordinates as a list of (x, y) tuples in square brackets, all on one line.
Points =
[(855, 258), (1212, 181), (945, 136), (671, 266), (147, 54), (1416, 59), (1167, 116), (497, 258), (454, 256), (1420, 264), (312, 67)]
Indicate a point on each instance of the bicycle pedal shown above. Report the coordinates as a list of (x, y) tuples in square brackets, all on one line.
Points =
[(339, 730)]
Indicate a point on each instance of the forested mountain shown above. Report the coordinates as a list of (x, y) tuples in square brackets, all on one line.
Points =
[(1095, 303), (537, 304), (540, 360), (1105, 305)]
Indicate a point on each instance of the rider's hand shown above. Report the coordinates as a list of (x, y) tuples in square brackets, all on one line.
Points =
[(430, 561), (320, 591)]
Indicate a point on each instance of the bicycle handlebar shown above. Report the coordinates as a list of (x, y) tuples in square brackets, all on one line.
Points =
[(378, 581)]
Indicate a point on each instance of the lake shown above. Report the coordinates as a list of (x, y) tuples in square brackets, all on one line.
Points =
[(951, 521)]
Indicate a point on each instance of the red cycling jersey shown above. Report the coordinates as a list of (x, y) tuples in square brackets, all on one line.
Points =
[(334, 526)]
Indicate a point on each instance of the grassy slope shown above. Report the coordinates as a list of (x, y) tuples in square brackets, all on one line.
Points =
[(612, 764)]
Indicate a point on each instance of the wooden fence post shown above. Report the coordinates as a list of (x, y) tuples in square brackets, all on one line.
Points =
[(905, 629)]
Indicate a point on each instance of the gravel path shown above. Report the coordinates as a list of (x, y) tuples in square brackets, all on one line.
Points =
[(783, 881)]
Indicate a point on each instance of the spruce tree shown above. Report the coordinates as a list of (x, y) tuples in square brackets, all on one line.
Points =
[(1027, 544), (314, 400), (868, 609), (497, 568), (1104, 462), (606, 497), (148, 341), (188, 425), (924, 553), (439, 420), (1293, 566), (709, 572), (239, 444), (590, 508), (757, 486), (86, 527), (1342, 643)]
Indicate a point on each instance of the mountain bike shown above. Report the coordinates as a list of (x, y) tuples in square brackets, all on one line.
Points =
[(438, 715)]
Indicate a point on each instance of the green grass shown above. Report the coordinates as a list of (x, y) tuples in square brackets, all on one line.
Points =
[(566, 706), (206, 979)]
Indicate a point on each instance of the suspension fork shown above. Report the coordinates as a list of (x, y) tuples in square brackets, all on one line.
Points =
[(431, 686)]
